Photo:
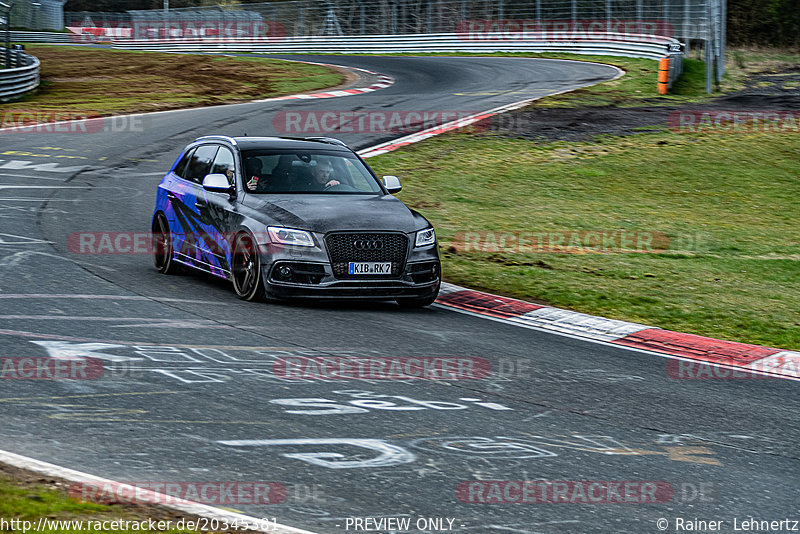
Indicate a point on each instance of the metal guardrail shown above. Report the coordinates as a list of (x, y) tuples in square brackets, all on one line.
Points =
[(629, 45), (24, 77), (616, 44), (626, 45), (40, 37)]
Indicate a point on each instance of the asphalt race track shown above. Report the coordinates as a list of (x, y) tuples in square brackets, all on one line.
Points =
[(189, 393)]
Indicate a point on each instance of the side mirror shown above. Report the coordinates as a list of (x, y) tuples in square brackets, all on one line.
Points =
[(217, 183), (392, 183)]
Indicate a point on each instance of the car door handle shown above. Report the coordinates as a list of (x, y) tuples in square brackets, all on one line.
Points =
[(199, 205), (172, 196)]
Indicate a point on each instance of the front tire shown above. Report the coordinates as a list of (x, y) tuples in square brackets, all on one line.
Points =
[(162, 246), (246, 269)]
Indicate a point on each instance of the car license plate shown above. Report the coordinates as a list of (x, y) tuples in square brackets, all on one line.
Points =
[(370, 267)]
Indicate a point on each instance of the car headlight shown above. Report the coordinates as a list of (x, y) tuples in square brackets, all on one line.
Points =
[(425, 237), (290, 236)]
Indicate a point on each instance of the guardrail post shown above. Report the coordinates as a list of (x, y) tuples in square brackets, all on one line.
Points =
[(301, 24), (711, 42), (639, 12), (723, 43), (709, 65), (719, 38), (686, 37), (8, 7), (430, 18)]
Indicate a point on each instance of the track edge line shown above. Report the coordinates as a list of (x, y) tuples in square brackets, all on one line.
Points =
[(187, 507)]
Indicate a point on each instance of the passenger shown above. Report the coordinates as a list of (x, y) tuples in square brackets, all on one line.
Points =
[(256, 182)]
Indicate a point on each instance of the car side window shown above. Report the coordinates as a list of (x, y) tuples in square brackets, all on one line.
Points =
[(180, 168), (224, 164), (200, 163), (357, 177)]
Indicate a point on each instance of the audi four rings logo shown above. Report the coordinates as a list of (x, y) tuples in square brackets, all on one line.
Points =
[(366, 244)]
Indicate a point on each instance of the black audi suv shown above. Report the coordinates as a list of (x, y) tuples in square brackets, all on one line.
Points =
[(293, 218)]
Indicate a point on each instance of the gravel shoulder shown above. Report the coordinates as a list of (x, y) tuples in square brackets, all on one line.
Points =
[(769, 91)]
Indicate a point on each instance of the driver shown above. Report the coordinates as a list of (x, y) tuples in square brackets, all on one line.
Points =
[(321, 175)]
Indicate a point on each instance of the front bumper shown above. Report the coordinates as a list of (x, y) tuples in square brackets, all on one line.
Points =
[(312, 276), (353, 289)]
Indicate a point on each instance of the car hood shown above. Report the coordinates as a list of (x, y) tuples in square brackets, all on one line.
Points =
[(325, 213)]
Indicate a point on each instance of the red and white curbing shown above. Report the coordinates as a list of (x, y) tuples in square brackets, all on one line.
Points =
[(389, 146), (383, 82), (762, 360)]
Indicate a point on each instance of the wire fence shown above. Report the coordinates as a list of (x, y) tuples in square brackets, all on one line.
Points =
[(38, 15), (696, 23), (684, 19)]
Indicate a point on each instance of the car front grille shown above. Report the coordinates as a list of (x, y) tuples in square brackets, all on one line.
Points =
[(346, 247)]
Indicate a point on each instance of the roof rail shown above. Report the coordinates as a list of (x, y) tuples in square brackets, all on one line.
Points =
[(227, 138), (331, 140)]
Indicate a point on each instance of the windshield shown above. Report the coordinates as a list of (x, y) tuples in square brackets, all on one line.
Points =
[(287, 171)]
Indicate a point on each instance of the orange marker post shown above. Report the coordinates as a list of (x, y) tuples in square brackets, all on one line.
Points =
[(663, 75)]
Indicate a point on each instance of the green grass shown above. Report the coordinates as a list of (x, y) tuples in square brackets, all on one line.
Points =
[(29, 502), (103, 82), (39, 501), (638, 87), (727, 203)]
